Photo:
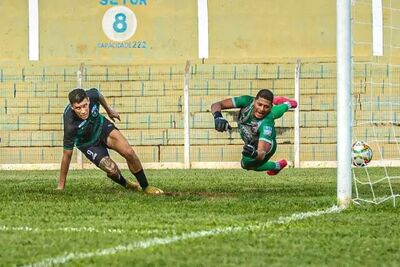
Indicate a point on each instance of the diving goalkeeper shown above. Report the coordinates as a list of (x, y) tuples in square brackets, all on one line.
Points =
[(257, 127)]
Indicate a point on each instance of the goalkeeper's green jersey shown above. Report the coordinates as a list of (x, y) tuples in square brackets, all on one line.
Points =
[(252, 129)]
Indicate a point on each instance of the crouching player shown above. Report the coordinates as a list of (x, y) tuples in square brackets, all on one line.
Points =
[(94, 134), (257, 127)]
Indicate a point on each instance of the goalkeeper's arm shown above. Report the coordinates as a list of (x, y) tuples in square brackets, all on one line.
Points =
[(221, 124)]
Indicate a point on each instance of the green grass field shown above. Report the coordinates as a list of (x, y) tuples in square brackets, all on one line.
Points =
[(209, 218)]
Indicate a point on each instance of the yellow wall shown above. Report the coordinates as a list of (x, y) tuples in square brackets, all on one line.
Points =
[(256, 31), (72, 30), (272, 29), (13, 31)]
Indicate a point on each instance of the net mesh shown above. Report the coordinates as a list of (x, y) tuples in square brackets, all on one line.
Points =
[(376, 87)]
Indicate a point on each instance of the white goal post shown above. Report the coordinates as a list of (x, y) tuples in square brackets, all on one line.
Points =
[(344, 101)]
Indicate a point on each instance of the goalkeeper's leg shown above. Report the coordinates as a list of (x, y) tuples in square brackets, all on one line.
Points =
[(279, 165), (272, 167)]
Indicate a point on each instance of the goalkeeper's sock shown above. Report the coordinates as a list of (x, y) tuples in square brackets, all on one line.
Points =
[(141, 178), (279, 166)]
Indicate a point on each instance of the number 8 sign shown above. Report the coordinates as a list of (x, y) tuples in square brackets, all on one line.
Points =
[(119, 23)]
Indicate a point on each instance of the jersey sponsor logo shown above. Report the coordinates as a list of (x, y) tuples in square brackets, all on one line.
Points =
[(94, 111), (267, 131)]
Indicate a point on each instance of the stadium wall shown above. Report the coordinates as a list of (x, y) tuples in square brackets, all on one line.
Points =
[(251, 46), (167, 31)]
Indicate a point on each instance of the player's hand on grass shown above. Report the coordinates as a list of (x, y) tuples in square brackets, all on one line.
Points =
[(152, 190), (60, 188), (61, 184), (249, 151), (221, 124)]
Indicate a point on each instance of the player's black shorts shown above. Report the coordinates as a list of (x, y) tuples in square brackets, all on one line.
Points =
[(96, 152)]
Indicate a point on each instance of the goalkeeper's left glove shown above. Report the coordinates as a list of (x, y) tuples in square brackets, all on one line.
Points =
[(221, 124), (249, 151)]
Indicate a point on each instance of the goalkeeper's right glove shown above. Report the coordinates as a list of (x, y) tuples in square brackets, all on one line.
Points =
[(249, 151), (221, 124)]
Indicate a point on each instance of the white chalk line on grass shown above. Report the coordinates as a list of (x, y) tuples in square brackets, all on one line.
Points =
[(5, 228), (185, 236), (62, 229)]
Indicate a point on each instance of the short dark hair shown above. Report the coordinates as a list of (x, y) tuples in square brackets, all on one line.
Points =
[(265, 93), (77, 95)]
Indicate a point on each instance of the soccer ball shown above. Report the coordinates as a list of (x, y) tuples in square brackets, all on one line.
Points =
[(361, 154)]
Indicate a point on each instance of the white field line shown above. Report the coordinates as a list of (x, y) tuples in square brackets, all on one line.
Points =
[(168, 240), (6, 228), (63, 229)]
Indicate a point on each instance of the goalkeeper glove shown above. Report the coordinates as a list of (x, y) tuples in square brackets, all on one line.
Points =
[(249, 151), (221, 124)]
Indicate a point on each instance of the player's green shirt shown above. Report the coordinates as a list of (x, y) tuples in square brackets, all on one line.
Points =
[(252, 129)]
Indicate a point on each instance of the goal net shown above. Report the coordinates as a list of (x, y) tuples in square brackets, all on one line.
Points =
[(376, 98)]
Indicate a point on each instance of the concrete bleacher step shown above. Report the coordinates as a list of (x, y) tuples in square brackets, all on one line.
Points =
[(30, 89), (28, 138), (126, 88), (307, 102), (139, 88), (31, 155), (127, 104), (174, 153), (150, 104), (227, 87), (220, 153), (307, 119), (173, 120), (46, 104), (196, 86), (32, 105), (243, 71), (32, 122), (376, 116), (164, 120), (121, 104), (385, 134), (132, 72)]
